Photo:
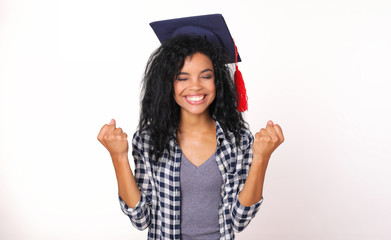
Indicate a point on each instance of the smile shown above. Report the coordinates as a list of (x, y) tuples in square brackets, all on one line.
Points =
[(195, 99)]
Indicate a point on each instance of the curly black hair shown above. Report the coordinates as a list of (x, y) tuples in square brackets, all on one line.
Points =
[(160, 114)]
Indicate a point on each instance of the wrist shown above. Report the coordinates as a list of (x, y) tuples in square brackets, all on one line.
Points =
[(119, 155), (260, 161), (119, 158), (261, 158)]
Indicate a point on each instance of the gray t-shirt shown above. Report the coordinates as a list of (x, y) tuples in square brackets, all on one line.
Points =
[(200, 192)]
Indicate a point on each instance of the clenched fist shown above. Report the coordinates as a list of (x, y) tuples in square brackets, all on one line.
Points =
[(114, 139), (267, 140)]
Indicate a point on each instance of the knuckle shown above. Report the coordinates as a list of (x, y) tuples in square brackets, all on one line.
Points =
[(268, 139), (123, 135)]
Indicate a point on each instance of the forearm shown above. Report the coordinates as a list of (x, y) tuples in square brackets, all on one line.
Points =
[(253, 187), (127, 186)]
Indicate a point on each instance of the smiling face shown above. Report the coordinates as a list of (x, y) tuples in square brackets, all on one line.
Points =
[(194, 85)]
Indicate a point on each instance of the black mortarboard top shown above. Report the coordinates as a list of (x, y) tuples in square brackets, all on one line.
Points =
[(212, 26)]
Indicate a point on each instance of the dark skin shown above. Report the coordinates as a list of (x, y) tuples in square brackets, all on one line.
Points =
[(196, 133), (197, 144)]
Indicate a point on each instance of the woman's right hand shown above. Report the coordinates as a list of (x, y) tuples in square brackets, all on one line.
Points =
[(114, 139)]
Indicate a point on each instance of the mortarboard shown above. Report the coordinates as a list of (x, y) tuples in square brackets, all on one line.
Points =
[(214, 28)]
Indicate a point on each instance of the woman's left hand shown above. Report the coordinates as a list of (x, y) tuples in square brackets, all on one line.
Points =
[(267, 140)]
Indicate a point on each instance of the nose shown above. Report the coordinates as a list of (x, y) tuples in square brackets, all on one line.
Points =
[(195, 84)]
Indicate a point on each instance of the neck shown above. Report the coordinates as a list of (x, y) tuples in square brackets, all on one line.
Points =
[(196, 123)]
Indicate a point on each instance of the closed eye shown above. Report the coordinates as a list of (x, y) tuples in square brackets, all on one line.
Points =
[(182, 76), (207, 77), (207, 73)]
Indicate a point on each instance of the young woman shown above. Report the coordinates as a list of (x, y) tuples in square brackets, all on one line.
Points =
[(199, 172)]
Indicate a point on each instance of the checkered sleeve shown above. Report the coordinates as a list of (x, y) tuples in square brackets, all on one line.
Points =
[(242, 215), (140, 214)]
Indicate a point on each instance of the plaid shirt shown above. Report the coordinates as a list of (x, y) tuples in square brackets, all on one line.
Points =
[(159, 183)]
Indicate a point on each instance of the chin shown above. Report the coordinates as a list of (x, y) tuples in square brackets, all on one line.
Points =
[(195, 111)]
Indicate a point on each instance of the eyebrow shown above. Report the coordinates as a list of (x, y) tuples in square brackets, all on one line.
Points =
[(185, 73)]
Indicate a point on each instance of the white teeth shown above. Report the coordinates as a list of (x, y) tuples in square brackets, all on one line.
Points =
[(195, 98)]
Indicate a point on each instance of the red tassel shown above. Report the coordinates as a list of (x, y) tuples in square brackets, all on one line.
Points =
[(241, 88), (242, 96)]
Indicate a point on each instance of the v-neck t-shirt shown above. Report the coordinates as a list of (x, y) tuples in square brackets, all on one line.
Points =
[(200, 199)]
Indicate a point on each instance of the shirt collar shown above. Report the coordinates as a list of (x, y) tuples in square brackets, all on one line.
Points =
[(220, 135)]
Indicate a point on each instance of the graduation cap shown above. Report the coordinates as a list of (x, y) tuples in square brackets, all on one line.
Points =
[(214, 28)]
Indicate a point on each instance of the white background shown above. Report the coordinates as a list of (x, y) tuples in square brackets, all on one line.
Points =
[(320, 69)]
